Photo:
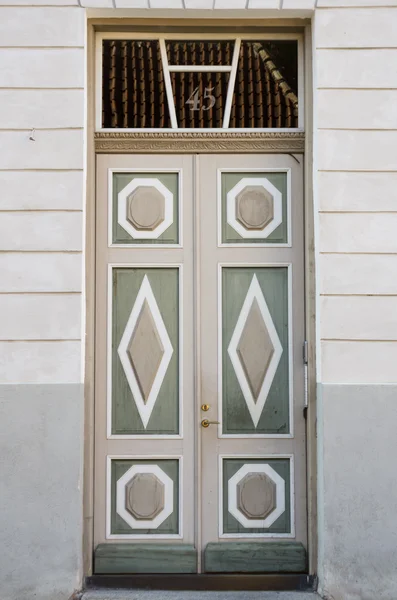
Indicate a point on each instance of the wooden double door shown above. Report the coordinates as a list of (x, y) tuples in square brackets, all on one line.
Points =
[(199, 417)]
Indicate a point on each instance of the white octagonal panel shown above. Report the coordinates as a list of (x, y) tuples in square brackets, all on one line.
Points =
[(233, 508), (156, 225), (266, 208), (121, 497)]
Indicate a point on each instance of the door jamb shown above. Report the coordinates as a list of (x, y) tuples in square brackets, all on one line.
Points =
[(193, 143)]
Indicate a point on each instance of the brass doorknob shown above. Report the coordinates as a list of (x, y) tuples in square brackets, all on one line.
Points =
[(207, 423)]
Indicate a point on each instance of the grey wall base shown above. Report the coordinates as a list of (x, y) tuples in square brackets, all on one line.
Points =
[(41, 433), (357, 491)]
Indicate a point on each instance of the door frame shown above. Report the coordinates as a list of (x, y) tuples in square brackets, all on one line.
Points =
[(298, 144)]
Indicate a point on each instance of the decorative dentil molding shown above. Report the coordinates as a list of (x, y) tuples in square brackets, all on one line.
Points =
[(303, 5), (208, 142)]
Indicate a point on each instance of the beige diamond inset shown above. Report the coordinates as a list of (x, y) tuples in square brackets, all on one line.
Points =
[(256, 496), (254, 207), (144, 496), (145, 351), (255, 349), (145, 208)]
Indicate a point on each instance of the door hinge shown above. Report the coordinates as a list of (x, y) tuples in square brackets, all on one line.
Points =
[(305, 369), (304, 353)]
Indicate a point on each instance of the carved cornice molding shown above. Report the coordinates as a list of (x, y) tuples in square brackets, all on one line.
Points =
[(208, 142)]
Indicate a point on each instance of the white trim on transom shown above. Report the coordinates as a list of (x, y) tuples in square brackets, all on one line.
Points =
[(232, 69)]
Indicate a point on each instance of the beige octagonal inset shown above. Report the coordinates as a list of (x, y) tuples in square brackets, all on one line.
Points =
[(251, 511), (144, 496), (145, 208), (256, 495), (133, 501), (254, 207)]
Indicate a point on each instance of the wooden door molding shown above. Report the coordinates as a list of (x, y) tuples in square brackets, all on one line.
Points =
[(252, 283), (206, 142), (125, 267)]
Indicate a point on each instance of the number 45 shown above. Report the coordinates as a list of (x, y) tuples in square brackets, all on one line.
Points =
[(195, 101)]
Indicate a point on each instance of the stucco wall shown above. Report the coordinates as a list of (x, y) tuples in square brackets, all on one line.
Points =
[(42, 71), (40, 503), (41, 196), (41, 282), (356, 121)]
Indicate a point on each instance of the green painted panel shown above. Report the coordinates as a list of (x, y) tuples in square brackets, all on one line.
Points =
[(170, 235), (255, 557), (170, 525), (164, 419), (236, 418), (280, 234), (282, 467), (145, 558)]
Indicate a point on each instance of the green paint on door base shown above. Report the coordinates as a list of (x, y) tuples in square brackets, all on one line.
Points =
[(255, 557), (145, 558)]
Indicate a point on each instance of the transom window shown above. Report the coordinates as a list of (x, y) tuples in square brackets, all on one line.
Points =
[(160, 83)]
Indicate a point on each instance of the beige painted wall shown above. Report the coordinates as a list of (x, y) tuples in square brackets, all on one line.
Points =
[(41, 191), (356, 118), (42, 187)]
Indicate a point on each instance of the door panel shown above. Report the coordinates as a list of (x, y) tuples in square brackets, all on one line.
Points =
[(199, 304), (252, 331), (256, 496), (255, 351), (145, 208), (144, 461), (254, 207), (145, 497), (145, 351)]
